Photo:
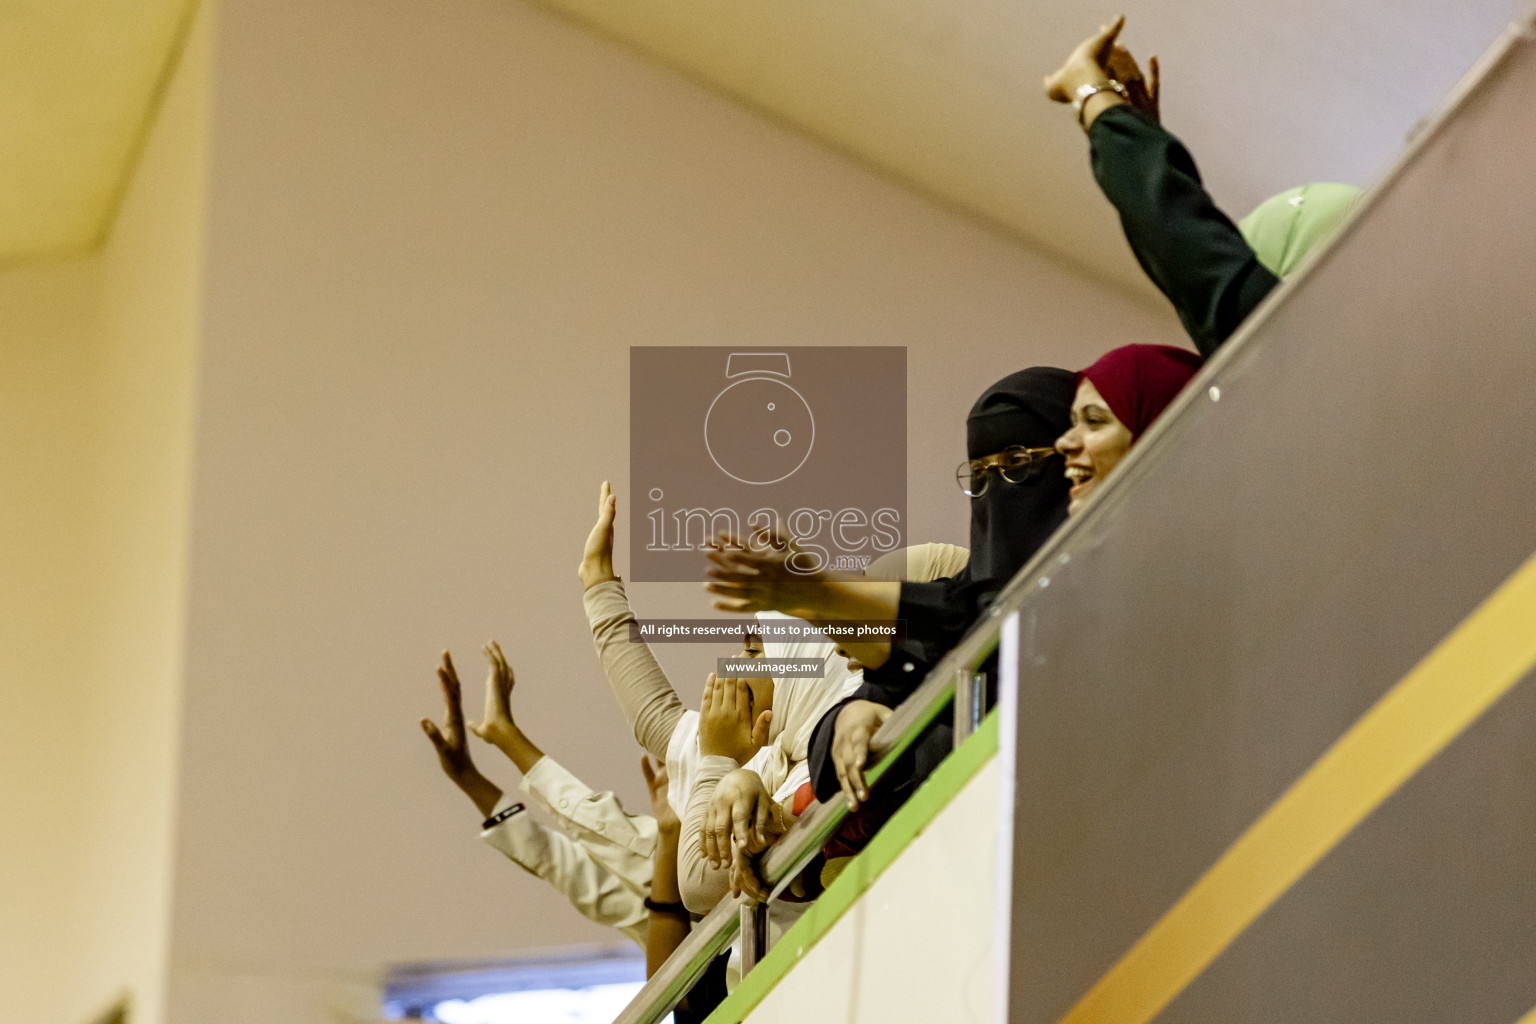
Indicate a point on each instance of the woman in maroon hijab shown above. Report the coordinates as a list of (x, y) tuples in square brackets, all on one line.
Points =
[(1117, 399)]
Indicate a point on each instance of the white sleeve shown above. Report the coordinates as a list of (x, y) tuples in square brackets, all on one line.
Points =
[(596, 820), (597, 893), (682, 760), (798, 776)]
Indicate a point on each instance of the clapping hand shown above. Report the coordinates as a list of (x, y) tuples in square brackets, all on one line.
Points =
[(449, 739), (1099, 60)]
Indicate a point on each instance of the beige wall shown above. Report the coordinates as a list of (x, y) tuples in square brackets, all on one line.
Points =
[(96, 406), (49, 767)]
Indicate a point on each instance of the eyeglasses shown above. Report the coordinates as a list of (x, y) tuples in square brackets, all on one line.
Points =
[(1016, 465)]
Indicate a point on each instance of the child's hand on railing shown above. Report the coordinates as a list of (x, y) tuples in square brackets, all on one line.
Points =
[(741, 813), (745, 879)]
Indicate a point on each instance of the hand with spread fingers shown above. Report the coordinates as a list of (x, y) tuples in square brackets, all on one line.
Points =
[(775, 575), (854, 729), (498, 728), (449, 740), (597, 556), (741, 812), (727, 724), (772, 574)]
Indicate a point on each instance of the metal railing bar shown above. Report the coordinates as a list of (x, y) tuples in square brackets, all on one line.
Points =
[(970, 702), (685, 966), (810, 833), (754, 934)]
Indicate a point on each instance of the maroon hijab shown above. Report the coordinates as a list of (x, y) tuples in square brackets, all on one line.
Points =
[(1138, 381)]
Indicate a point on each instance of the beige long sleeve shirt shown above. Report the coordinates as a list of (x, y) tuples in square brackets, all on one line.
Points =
[(646, 697)]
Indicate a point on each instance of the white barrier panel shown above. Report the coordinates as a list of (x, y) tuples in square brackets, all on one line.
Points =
[(918, 944)]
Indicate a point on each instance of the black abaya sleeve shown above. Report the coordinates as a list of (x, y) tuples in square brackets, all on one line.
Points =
[(1188, 247), (937, 614), (819, 755), (921, 758)]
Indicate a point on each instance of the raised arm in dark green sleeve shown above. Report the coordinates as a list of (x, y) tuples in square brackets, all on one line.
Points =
[(1188, 247)]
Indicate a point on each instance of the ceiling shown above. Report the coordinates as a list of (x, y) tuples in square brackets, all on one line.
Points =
[(79, 81), (946, 94), (943, 95)]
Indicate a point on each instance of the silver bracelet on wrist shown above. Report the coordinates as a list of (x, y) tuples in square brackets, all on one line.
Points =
[(1084, 92)]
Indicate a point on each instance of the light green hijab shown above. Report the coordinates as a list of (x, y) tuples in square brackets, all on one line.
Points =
[(1284, 228)]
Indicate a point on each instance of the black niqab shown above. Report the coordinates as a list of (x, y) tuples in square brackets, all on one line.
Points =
[(1010, 521)]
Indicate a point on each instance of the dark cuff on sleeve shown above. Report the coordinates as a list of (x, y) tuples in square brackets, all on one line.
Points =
[(501, 816)]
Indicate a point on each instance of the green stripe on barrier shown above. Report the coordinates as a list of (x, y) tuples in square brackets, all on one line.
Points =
[(905, 825)]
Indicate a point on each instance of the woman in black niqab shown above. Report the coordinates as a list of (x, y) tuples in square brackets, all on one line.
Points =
[(1009, 523)]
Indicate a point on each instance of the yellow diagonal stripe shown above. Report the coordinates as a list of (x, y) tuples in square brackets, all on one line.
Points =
[(1477, 663), (1529, 1018)]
